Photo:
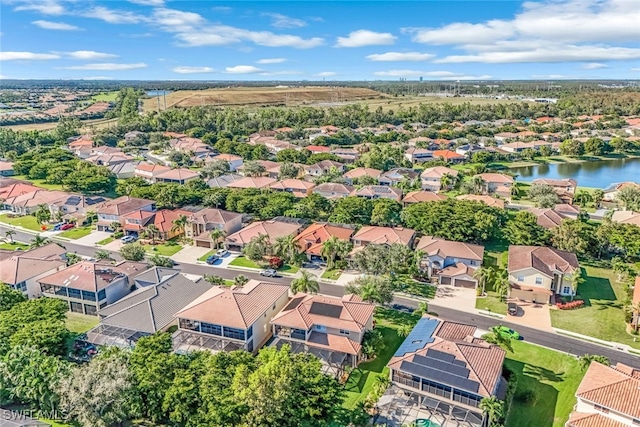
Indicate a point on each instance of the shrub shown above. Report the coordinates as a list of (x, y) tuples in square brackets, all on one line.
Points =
[(570, 305), (275, 262), (526, 397)]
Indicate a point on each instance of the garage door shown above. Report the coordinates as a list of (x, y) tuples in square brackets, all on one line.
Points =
[(203, 244), (445, 280), (465, 283)]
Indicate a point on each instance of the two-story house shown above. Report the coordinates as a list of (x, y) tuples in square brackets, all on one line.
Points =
[(608, 396), (75, 206), (496, 183), (112, 210), (136, 221), (398, 175), (227, 319), (452, 262), (271, 228), (432, 178), (565, 188), (21, 270), (538, 273), (297, 187), (358, 174), (371, 234), (373, 192), (418, 155), (86, 286), (332, 190), (323, 167), (311, 239), (330, 327), (163, 221), (204, 221), (446, 371)]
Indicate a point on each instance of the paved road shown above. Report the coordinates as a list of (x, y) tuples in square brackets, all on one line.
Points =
[(558, 342)]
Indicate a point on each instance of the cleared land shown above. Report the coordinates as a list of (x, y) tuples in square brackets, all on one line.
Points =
[(260, 96), (98, 123), (393, 103)]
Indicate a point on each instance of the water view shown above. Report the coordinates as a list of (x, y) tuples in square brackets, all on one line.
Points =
[(597, 174)]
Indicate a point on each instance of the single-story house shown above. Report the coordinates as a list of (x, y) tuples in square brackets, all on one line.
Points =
[(272, 228)]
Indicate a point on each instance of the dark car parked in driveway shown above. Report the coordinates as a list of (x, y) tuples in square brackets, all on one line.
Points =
[(512, 308)]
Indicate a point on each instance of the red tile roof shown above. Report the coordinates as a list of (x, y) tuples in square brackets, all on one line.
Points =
[(423, 196), (545, 260), (447, 248), (610, 387), (165, 217), (384, 235), (583, 419), (312, 237), (447, 154)]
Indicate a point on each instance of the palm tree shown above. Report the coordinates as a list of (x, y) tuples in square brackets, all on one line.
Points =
[(152, 231), (423, 308), (446, 181), (287, 248), (253, 168), (305, 283), (501, 284), (495, 336), (180, 225), (217, 235), (404, 330), (330, 251), (478, 184), (115, 226), (103, 255), (240, 280), (91, 216), (214, 280), (38, 241), (43, 214), (483, 275), (586, 360), (576, 280), (493, 407), (10, 234)]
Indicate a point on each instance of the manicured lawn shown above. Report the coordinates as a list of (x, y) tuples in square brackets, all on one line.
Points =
[(80, 323), (163, 249), (552, 376), (491, 303), (289, 269), (419, 289), (13, 246), (105, 241), (204, 257), (105, 96), (602, 316), (27, 221), (363, 378), (331, 274), (241, 261), (39, 183), (76, 233)]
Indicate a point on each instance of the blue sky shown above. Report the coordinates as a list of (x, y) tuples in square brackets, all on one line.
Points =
[(310, 40)]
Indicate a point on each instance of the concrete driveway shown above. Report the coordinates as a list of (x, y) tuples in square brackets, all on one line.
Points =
[(531, 315), (189, 254), (455, 297), (113, 246), (93, 238)]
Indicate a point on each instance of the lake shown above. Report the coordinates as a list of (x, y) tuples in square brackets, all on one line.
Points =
[(596, 174)]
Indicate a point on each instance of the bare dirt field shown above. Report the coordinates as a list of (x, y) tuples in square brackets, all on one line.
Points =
[(393, 103), (261, 96)]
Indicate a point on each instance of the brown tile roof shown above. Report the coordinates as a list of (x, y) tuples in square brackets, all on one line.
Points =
[(384, 235), (36, 198), (237, 307), (164, 218), (122, 205), (153, 168), (331, 187), (271, 228), (178, 174), (306, 310), (610, 387), (545, 260), (447, 154), (487, 200), (252, 182), (497, 178), (17, 189), (85, 275), (423, 196), (311, 238), (457, 269), (378, 191), (292, 184), (25, 265), (213, 216), (6, 166), (583, 419), (359, 172), (438, 172), (333, 342), (547, 217), (447, 248), (626, 217), (556, 182)]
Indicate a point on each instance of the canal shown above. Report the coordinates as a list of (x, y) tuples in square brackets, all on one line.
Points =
[(596, 174)]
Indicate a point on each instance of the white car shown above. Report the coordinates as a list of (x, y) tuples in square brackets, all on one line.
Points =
[(128, 239), (222, 252), (269, 272)]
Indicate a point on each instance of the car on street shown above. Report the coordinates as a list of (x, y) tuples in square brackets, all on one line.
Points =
[(222, 252), (129, 239), (508, 333), (212, 259), (66, 226), (512, 308), (269, 272)]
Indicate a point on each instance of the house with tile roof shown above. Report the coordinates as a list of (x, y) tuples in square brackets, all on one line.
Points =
[(113, 210), (496, 183), (149, 172), (487, 200), (21, 270), (28, 203), (234, 161), (86, 287), (418, 155), (252, 182), (448, 156), (371, 234), (611, 192), (6, 168), (151, 308), (332, 190), (552, 217), (355, 174), (538, 273), (134, 222), (422, 196), (347, 155), (323, 167), (163, 221), (203, 222), (626, 217), (432, 177), (311, 239), (446, 370), (223, 181), (398, 175), (177, 176), (452, 262), (272, 228), (564, 188), (331, 327), (608, 396), (374, 192), (297, 187), (227, 319), (11, 188)]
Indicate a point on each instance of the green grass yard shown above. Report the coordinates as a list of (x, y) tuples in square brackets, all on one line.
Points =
[(603, 314), (106, 241), (13, 246), (419, 289), (552, 376), (204, 257), (241, 261), (363, 378), (29, 222), (163, 249), (491, 303), (76, 233), (80, 323), (289, 269), (39, 183), (105, 97), (331, 274)]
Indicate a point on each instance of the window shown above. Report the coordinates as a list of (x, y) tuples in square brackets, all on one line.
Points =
[(102, 295), (90, 310), (566, 290), (208, 328), (520, 278), (320, 328), (88, 296), (538, 280), (635, 422), (22, 286), (298, 334), (343, 332), (250, 332), (233, 333), (74, 293), (76, 307), (601, 409)]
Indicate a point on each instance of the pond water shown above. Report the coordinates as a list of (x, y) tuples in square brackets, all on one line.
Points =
[(596, 174), (158, 92)]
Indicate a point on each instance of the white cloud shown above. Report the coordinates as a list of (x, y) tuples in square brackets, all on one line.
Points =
[(593, 66), (192, 70), (113, 16), (283, 21), (108, 66), (462, 32), (439, 75), (399, 73), (282, 73), (89, 55), (148, 2), (94, 78), (176, 20), (243, 69), (271, 61), (61, 26), (400, 56), (46, 7), (361, 38), (547, 53), (326, 74), (553, 77), (635, 69), (27, 56)]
